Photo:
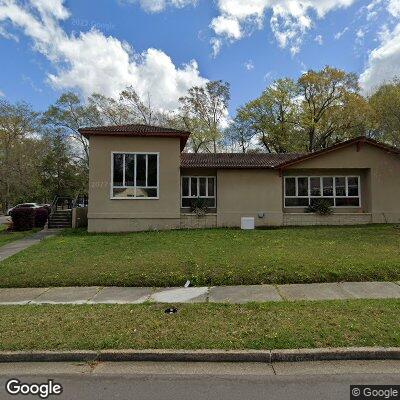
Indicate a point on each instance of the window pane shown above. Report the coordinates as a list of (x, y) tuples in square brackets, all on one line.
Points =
[(203, 187), (210, 202), (193, 187), (327, 184), (352, 183), (129, 170), (340, 186), (185, 186), (144, 193), (290, 186), (296, 202), (186, 203), (347, 202), (141, 170), (124, 193), (211, 187), (118, 170), (152, 170), (318, 200), (302, 186), (315, 186)]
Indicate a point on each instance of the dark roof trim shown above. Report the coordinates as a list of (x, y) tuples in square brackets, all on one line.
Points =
[(138, 130), (357, 141)]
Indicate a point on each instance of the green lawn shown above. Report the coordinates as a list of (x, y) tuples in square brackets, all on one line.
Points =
[(7, 237), (209, 257), (202, 326)]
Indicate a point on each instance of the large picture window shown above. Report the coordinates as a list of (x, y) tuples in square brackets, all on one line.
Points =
[(338, 191), (198, 187), (135, 175)]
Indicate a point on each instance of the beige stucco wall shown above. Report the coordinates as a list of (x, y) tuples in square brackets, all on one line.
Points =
[(240, 192), (111, 215), (246, 193), (381, 179)]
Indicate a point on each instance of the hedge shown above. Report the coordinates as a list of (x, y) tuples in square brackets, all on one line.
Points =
[(23, 218), (41, 217)]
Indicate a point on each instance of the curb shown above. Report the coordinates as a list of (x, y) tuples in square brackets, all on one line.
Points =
[(260, 356)]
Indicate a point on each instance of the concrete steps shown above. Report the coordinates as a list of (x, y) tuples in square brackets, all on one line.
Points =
[(60, 219)]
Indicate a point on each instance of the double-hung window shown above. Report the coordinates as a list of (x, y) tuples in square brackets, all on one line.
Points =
[(338, 191), (198, 187), (135, 176)]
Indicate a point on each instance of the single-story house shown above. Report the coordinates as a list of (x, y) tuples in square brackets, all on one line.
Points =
[(141, 180)]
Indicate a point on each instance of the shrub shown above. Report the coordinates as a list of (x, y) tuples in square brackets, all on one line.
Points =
[(23, 218), (321, 207), (199, 207), (41, 217)]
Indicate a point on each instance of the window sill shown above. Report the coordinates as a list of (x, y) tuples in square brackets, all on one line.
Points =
[(134, 198)]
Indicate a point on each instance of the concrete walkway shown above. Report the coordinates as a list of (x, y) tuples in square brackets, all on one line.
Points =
[(217, 294), (15, 247)]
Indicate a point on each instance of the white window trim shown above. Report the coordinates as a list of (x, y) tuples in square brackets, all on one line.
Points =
[(198, 189), (322, 188), (112, 187)]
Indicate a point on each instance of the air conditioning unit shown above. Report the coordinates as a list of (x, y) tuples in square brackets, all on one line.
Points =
[(247, 223)]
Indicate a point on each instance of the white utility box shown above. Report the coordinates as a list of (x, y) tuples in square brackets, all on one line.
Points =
[(247, 223)]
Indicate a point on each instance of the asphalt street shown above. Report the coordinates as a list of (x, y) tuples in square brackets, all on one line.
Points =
[(219, 381)]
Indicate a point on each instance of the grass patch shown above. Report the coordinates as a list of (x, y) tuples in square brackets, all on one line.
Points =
[(208, 257), (202, 326), (7, 237)]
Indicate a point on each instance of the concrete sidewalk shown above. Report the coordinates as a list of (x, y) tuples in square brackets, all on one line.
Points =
[(216, 294), (15, 247)]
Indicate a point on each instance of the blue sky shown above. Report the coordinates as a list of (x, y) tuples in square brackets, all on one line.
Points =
[(162, 47)]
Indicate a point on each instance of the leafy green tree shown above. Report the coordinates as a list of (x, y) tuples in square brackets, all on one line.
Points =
[(69, 113), (61, 174), (203, 111), (332, 108), (240, 135), (385, 113), (18, 126), (274, 115)]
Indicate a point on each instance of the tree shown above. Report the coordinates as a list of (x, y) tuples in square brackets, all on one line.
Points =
[(332, 108), (60, 173), (70, 114), (18, 126), (203, 111), (274, 115), (385, 113), (240, 134)]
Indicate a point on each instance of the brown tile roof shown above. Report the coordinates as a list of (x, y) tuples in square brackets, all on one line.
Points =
[(136, 130), (235, 160)]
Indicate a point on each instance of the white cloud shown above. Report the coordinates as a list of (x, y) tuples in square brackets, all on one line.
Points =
[(339, 34), (92, 62), (216, 45), (360, 33), (394, 8), (227, 26), (384, 61), (249, 65), (319, 39), (155, 6), (290, 19), (2, 94)]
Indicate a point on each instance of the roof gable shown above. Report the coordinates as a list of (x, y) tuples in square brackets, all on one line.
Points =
[(359, 142)]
